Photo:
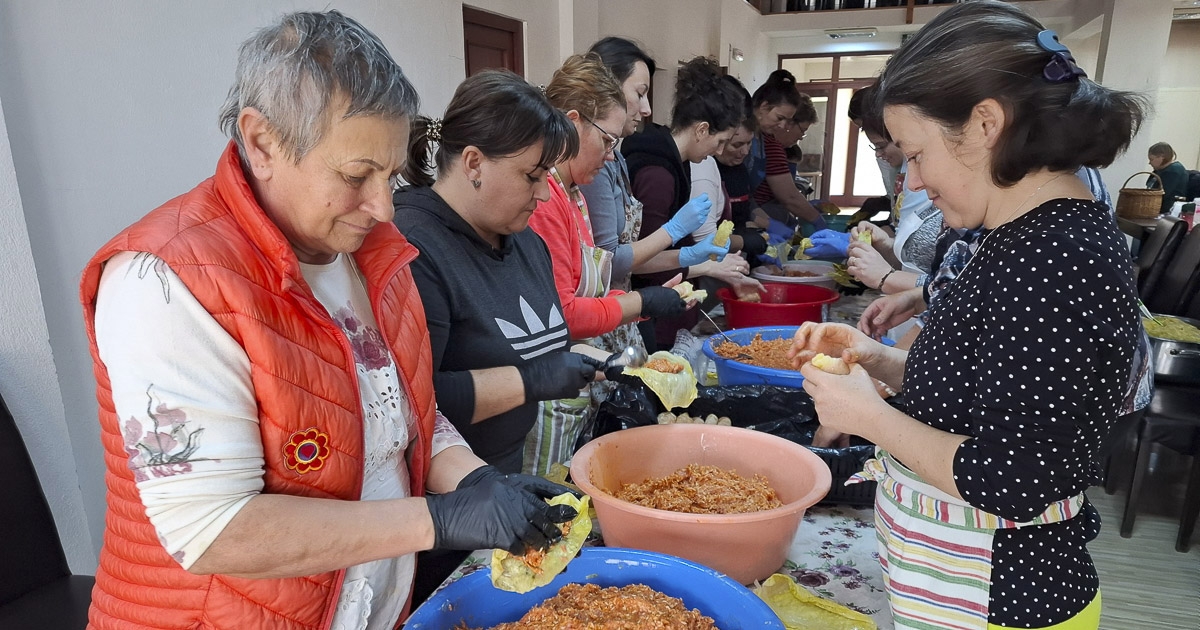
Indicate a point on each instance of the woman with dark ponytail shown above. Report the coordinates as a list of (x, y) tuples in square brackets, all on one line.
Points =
[(1023, 365), (481, 269), (776, 104), (499, 345), (706, 113)]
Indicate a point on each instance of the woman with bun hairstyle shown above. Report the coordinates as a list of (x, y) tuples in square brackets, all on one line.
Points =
[(707, 111), (1022, 367), (591, 98), (776, 104)]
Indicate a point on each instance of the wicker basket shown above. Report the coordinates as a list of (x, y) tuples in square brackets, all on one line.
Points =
[(1140, 203)]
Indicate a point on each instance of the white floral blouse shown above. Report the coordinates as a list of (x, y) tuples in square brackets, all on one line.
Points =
[(183, 386)]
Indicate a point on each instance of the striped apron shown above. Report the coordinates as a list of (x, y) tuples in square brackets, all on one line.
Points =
[(935, 550), (625, 335), (552, 439)]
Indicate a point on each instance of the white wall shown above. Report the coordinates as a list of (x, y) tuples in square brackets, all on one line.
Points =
[(1133, 45), (671, 31), (111, 110), (28, 380), (586, 24), (741, 27), (1176, 122)]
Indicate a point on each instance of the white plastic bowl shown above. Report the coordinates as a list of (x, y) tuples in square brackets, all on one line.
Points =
[(821, 268)]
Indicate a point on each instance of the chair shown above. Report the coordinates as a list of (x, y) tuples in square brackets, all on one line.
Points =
[(1190, 300), (1156, 253), (37, 589), (1178, 280), (1172, 420)]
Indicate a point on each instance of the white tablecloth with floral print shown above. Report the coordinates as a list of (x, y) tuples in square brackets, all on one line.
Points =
[(833, 555)]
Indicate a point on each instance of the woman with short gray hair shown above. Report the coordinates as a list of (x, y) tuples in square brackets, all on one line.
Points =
[(275, 455)]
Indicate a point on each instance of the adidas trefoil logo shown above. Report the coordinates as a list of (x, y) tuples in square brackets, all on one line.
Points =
[(537, 337)]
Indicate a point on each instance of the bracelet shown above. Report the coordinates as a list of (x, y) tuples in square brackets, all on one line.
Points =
[(884, 279)]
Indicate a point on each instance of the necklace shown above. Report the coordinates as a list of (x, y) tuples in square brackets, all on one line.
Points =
[(1011, 216), (1016, 210)]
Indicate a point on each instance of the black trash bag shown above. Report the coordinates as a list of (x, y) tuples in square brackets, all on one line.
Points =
[(781, 411)]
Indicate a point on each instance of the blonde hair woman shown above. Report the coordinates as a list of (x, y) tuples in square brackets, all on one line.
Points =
[(592, 99)]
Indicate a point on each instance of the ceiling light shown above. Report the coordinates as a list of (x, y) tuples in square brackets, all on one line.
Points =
[(840, 33)]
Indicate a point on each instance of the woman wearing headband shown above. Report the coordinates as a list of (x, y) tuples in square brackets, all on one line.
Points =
[(1022, 367)]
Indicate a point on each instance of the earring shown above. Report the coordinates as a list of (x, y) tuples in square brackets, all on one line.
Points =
[(476, 183)]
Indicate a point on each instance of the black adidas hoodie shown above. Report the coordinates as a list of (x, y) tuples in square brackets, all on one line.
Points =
[(485, 308)]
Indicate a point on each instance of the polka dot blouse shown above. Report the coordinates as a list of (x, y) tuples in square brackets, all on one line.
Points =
[(1028, 352)]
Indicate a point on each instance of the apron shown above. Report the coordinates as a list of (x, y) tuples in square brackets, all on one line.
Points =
[(625, 335), (552, 439), (935, 550)]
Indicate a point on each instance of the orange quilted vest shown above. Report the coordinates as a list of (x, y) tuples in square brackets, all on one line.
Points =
[(241, 268)]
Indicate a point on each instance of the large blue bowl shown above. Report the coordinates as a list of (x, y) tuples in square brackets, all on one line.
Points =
[(730, 372), (476, 602)]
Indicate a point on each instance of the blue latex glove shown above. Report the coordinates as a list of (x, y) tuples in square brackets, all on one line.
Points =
[(829, 244), (778, 232), (698, 253), (689, 218), (819, 224)]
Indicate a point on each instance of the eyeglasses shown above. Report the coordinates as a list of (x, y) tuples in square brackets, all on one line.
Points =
[(793, 125), (610, 141), (881, 146)]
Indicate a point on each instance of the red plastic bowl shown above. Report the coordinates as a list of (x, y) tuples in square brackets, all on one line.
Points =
[(782, 305)]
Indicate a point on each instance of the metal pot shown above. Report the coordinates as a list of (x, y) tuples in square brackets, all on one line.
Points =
[(1176, 361)]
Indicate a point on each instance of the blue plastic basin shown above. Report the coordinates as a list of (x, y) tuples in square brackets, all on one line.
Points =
[(730, 372), (476, 602)]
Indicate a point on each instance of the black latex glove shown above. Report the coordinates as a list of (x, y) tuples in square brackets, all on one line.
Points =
[(557, 375), (490, 514), (543, 488), (616, 370), (661, 302), (753, 244)]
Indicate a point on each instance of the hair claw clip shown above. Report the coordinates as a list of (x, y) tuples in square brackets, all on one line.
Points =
[(1062, 66)]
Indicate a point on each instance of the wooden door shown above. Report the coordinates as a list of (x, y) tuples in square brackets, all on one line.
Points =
[(492, 41)]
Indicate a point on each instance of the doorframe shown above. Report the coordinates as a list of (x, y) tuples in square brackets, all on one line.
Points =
[(499, 22)]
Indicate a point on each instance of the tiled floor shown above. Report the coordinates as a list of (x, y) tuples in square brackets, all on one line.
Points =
[(1146, 584)]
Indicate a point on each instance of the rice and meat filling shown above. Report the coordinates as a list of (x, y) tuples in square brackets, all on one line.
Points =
[(589, 607), (699, 489), (768, 354)]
